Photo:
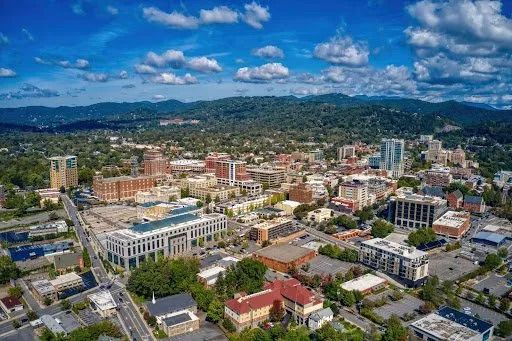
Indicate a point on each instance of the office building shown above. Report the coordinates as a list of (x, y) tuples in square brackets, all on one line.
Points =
[(187, 166), (301, 192), (270, 176), (212, 159), (365, 284), (455, 199), (220, 192), (283, 257), (450, 324), (154, 163), (405, 263), (168, 237), (346, 151), (452, 224), (374, 161), (416, 211), (392, 157), (179, 323), (103, 303), (357, 191), (158, 194), (121, 187), (275, 230), (67, 281), (316, 155), (320, 215), (232, 170), (199, 181), (436, 153), (43, 289), (63, 171)]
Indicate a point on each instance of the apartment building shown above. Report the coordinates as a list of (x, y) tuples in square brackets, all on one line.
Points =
[(158, 194), (271, 176), (452, 224), (346, 151), (121, 187), (199, 181), (392, 156), (243, 205), (301, 193), (439, 176), (247, 311), (234, 173), (154, 163), (171, 236), (405, 263), (357, 191), (222, 192), (63, 171), (212, 159), (274, 229), (416, 211), (187, 166)]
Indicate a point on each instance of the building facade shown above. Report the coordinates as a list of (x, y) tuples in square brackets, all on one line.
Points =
[(392, 156), (346, 151), (63, 171), (301, 193), (271, 176), (158, 194), (417, 211), (212, 159), (121, 187), (154, 163)]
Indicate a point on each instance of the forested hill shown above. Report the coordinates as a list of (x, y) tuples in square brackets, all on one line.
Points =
[(459, 113)]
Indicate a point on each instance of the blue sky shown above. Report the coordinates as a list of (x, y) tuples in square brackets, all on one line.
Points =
[(81, 52)]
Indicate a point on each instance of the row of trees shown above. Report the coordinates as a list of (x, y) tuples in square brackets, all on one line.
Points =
[(421, 236), (334, 251)]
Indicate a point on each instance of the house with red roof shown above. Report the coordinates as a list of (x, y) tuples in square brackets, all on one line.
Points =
[(247, 311), (10, 304)]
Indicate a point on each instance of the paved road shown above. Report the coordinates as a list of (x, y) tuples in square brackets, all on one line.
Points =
[(358, 320), (328, 238)]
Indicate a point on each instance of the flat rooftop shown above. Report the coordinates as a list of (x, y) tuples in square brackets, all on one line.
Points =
[(394, 248), (284, 253), (272, 223), (69, 277), (362, 283), (167, 222), (452, 219), (443, 328)]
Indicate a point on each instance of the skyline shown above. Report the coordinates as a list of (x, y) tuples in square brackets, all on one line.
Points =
[(86, 52)]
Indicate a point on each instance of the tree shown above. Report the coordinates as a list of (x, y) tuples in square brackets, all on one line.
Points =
[(62, 189), (426, 308), (152, 321), (199, 203), (345, 221), (421, 236), (505, 328), (346, 298), (65, 304), (492, 261), (394, 330), (381, 228), (503, 252), (217, 199), (32, 315), (86, 258), (215, 311), (327, 333), (365, 214), (16, 324), (491, 301), (47, 301), (15, 291), (208, 198), (276, 312), (228, 324), (480, 298), (8, 269), (504, 304)]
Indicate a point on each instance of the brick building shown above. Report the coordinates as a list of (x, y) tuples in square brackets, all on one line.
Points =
[(283, 257), (455, 199), (154, 162), (452, 224), (474, 204), (301, 193), (212, 159), (121, 187)]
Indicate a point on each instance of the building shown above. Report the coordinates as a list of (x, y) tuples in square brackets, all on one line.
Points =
[(51, 323), (171, 236), (320, 215), (416, 211), (209, 276), (160, 210), (212, 159), (269, 176), (455, 199), (121, 187), (287, 205), (67, 261), (232, 170), (319, 318), (405, 263), (316, 155), (374, 161), (392, 156), (215, 193), (180, 322), (11, 304), (474, 204), (436, 153), (158, 194), (54, 227), (283, 257), (439, 176), (489, 238), (275, 230), (301, 193), (458, 157), (366, 284), (103, 303), (67, 281), (44, 289), (243, 205), (452, 224), (247, 311), (198, 181), (346, 151), (63, 171), (168, 306), (187, 166), (426, 138), (502, 178), (48, 195), (154, 163), (450, 324), (344, 205), (355, 190)]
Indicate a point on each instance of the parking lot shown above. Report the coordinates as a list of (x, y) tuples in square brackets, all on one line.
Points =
[(449, 266), (408, 304), (207, 332), (323, 265), (482, 312), (496, 285)]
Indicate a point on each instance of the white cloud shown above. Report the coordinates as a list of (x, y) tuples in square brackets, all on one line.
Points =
[(260, 74), (343, 51), (172, 79), (112, 10), (123, 74), (158, 97), (218, 15), (95, 77), (203, 64), (302, 91), (79, 63), (27, 34), (3, 39), (144, 69), (255, 15), (239, 61), (174, 58), (29, 91), (7, 72), (41, 61), (269, 51), (174, 19), (77, 8)]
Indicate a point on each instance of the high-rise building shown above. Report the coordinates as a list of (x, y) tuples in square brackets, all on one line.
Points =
[(233, 170), (417, 211), (212, 158), (272, 176), (346, 151), (392, 156), (63, 171), (154, 162), (355, 191)]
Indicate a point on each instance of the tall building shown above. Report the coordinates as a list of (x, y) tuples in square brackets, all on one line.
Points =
[(355, 190), (63, 171), (272, 176), (417, 211), (212, 159), (301, 193), (234, 173), (458, 157), (439, 176), (392, 156), (154, 162), (436, 153), (346, 151), (406, 263)]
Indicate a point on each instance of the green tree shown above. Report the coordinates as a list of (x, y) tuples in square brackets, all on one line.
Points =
[(394, 330), (381, 228), (504, 304), (208, 198), (503, 252), (47, 301), (365, 214), (504, 328), (421, 236), (215, 311), (228, 324), (276, 312), (492, 261), (32, 315), (15, 291), (8, 269), (199, 203), (86, 258), (217, 199), (65, 304)]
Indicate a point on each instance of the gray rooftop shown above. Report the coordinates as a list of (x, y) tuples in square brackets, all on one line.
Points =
[(170, 304), (284, 253), (51, 324), (318, 315), (176, 319)]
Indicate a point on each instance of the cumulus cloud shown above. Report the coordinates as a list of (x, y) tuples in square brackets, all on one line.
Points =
[(7, 73), (239, 61), (174, 19), (261, 74), (95, 77), (123, 74), (3, 39), (343, 51), (269, 51), (173, 58), (26, 33), (78, 64), (112, 10), (144, 69), (172, 79), (41, 61), (303, 91), (255, 15), (28, 91), (158, 97), (218, 15), (203, 64)]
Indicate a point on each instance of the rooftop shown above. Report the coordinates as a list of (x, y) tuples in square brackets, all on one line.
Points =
[(272, 223), (103, 300), (69, 277), (453, 219), (319, 315), (363, 283), (489, 236), (52, 324), (179, 318), (10, 302), (126, 178), (163, 223), (473, 199), (170, 304), (423, 199), (43, 286), (394, 248), (284, 253), (211, 273)]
